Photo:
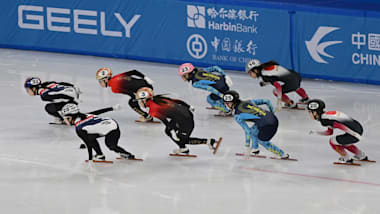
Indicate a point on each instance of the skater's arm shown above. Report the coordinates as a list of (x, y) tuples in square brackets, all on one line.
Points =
[(136, 73), (101, 111), (328, 132), (240, 119), (205, 84), (65, 84), (262, 102), (215, 69)]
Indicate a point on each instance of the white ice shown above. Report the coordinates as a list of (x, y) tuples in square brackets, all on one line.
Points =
[(43, 171)]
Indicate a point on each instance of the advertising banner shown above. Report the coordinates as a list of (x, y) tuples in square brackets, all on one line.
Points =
[(335, 47), (166, 31)]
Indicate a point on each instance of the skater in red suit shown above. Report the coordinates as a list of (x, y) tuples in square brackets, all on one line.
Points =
[(177, 117), (337, 120), (126, 83), (273, 73)]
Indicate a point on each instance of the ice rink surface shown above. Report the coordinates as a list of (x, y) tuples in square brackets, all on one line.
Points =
[(43, 169)]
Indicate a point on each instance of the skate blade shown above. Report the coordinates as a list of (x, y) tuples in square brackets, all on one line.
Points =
[(295, 108), (97, 161), (289, 159), (369, 161), (347, 164), (220, 115), (183, 155), (153, 121), (134, 159), (211, 108), (217, 145), (253, 156)]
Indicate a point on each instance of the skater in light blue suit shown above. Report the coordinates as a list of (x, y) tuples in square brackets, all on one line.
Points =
[(265, 123)]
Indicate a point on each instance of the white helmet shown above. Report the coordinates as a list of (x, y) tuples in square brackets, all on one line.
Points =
[(70, 109), (103, 73), (144, 93), (253, 63)]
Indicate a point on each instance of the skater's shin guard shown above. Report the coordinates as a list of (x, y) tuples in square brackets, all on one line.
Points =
[(302, 93), (285, 98), (337, 147), (275, 93), (271, 147), (352, 148), (253, 132), (218, 104), (254, 144)]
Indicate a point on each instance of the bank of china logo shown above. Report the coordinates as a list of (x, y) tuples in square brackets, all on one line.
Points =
[(196, 46), (196, 16), (316, 48)]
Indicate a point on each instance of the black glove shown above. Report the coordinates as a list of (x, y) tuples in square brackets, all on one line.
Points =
[(263, 83)]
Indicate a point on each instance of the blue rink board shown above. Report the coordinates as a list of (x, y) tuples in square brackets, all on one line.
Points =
[(336, 40)]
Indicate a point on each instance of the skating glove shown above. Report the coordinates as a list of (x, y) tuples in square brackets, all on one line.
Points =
[(262, 83), (116, 107)]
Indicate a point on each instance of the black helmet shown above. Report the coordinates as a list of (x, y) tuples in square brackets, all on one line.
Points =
[(231, 96), (316, 105), (32, 82)]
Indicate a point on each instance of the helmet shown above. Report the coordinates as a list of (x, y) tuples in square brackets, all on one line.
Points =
[(316, 105), (185, 69), (31, 82), (231, 96), (103, 73), (144, 93), (253, 63), (70, 109)]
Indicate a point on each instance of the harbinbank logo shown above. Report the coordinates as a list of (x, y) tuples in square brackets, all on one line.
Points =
[(196, 16), (316, 48), (73, 20)]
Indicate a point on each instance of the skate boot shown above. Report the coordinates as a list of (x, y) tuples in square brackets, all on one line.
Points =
[(116, 107), (361, 156), (145, 119), (291, 104), (254, 151), (303, 100), (182, 151), (285, 156), (224, 114), (210, 143), (99, 157), (127, 156), (58, 121), (344, 159), (82, 146)]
